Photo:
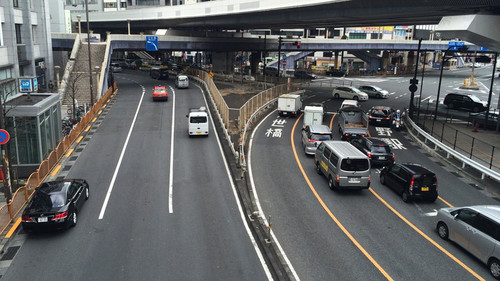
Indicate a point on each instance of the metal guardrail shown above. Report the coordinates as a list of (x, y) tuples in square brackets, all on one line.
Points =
[(485, 171)]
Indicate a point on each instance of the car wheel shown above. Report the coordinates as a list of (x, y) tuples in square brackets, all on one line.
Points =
[(442, 230), (331, 183), (74, 219), (87, 193), (451, 105), (336, 95), (494, 266), (405, 196), (382, 179), (318, 168), (378, 96), (475, 109), (356, 98)]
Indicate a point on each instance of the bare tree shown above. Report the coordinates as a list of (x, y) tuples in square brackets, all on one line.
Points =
[(72, 89), (5, 93)]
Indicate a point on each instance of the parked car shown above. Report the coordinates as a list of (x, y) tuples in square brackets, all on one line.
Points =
[(116, 67), (374, 91), (465, 101), (349, 92), (302, 74), (55, 205), (160, 93), (411, 181), (381, 115), (314, 135), (271, 71), (379, 152), (476, 229), (336, 72), (479, 118)]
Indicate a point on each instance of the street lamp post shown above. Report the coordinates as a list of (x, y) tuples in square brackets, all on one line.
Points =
[(90, 61)]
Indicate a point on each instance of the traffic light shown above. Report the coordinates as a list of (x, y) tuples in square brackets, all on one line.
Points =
[(297, 43)]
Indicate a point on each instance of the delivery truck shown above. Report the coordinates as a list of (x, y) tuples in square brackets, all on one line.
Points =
[(289, 104), (313, 115)]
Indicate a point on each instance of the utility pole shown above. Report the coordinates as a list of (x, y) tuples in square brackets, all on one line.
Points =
[(279, 57), (90, 61)]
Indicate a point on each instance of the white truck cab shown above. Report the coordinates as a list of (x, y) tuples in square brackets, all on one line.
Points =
[(197, 121)]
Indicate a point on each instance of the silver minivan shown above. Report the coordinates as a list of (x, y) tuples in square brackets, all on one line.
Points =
[(182, 81), (476, 229), (344, 165)]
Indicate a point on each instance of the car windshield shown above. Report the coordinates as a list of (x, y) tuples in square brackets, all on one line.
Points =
[(321, 137), (381, 149), (377, 88), (380, 112), (198, 119), (160, 90), (48, 197), (427, 180), (355, 165), (356, 90), (474, 98)]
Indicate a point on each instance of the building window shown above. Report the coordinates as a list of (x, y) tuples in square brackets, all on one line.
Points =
[(123, 5), (109, 5), (26, 137), (18, 34), (1, 34), (148, 2), (33, 34), (16, 3)]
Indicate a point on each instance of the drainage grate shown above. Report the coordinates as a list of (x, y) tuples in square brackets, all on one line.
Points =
[(60, 178), (79, 150), (476, 186), (86, 139), (73, 158), (90, 133), (11, 252), (67, 167)]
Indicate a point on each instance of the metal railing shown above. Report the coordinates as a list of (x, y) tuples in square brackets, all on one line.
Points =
[(467, 149), (11, 209)]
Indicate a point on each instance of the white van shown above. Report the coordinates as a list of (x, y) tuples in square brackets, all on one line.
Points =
[(182, 81), (343, 165), (197, 121)]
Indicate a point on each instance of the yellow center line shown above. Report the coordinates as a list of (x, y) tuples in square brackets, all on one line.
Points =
[(425, 236), (104, 106), (56, 170), (87, 128), (13, 228), (347, 233), (99, 113), (93, 119), (79, 139), (69, 152)]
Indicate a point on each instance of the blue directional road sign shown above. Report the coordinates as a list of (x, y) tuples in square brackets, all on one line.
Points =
[(151, 43), (35, 84), (454, 45), (25, 85)]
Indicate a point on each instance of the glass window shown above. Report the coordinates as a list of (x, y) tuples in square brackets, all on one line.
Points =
[(355, 164), (33, 34), (467, 216), (321, 137), (18, 34), (334, 159), (27, 140), (486, 225), (381, 149), (198, 119)]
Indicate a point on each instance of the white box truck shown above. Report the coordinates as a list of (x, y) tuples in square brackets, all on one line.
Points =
[(197, 121), (289, 104), (313, 115)]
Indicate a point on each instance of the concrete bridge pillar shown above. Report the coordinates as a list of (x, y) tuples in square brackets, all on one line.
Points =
[(223, 61)]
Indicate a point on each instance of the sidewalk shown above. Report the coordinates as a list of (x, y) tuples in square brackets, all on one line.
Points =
[(481, 145)]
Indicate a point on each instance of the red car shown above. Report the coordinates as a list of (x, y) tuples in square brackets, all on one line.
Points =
[(160, 93)]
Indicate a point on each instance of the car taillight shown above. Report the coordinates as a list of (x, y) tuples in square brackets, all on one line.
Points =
[(337, 179), (26, 219), (310, 140), (62, 215), (393, 156), (363, 135), (369, 155), (387, 118)]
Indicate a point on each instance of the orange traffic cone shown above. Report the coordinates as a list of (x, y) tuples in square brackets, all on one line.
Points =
[(476, 126)]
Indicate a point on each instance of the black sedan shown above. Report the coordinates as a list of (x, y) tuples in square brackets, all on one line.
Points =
[(381, 115), (55, 205)]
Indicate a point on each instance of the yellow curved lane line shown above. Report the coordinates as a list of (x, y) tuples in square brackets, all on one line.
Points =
[(347, 233)]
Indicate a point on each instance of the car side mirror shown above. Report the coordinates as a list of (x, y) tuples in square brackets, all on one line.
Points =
[(187, 115)]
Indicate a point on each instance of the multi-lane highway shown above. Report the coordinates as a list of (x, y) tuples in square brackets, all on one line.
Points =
[(359, 235), (162, 205)]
